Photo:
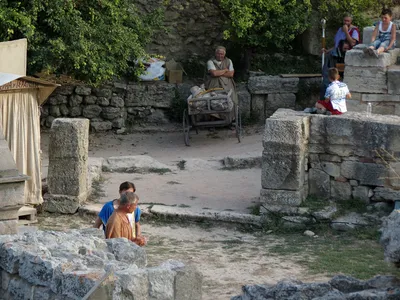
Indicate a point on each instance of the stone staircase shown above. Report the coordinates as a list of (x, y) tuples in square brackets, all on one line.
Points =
[(373, 80)]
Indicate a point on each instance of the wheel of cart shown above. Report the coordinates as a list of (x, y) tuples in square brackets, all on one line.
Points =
[(186, 127), (238, 123)]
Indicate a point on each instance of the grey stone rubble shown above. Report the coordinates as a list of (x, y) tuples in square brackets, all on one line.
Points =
[(339, 287), (66, 265), (68, 165), (337, 158)]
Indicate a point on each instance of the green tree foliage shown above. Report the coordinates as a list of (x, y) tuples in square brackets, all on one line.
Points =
[(362, 10), (266, 23), (94, 40)]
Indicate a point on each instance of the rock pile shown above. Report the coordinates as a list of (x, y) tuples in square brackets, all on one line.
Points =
[(339, 288), (67, 265)]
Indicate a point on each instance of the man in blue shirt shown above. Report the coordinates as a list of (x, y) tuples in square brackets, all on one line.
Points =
[(109, 207)]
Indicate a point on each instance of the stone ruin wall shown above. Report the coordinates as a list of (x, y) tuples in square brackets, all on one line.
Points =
[(54, 265), (192, 28), (330, 158)]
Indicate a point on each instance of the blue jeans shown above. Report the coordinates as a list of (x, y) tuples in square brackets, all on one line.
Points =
[(382, 43)]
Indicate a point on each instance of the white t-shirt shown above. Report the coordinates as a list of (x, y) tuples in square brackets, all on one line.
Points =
[(337, 92), (211, 66)]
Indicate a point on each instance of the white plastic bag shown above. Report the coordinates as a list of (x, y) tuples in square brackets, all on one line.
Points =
[(154, 69)]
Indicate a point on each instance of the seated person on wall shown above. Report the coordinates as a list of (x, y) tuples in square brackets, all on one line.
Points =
[(347, 32), (109, 207), (384, 35), (335, 96), (220, 73), (118, 225), (336, 56)]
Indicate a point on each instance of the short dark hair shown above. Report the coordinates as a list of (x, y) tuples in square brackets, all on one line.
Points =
[(126, 186), (386, 11), (128, 198), (333, 74)]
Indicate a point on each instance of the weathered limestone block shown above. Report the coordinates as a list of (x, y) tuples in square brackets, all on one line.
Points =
[(393, 75), (133, 282), (63, 204), (390, 237), (272, 84), (20, 289), (319, 183), (292, 131), (91, 111), (9, 256), (282, 170), (76, 284), (385, 194), (331, 169), (69, 139), (357, 58), (366, 79), (379, 98), (9, 226), (12, 194), (362, 193), (128, 252), (83, 90), (365, 173), (188, 283), (275, 101), (258, 107), (349, 222), (161, 283), (282, 197), (101, 126), (340, 190), (244, 98)]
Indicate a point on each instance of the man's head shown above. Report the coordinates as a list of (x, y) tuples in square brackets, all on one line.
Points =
[(347, 19), (127, 187), (128, 202), (344, 46), (333, 74), (220, 52)]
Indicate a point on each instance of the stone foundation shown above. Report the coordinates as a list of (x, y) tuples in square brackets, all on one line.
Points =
[(66, 265), (336, 158)]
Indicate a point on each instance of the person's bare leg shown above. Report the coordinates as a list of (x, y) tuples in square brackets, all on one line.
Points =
[(380, 50)]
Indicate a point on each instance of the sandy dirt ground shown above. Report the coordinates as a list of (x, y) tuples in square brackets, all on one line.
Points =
[(201, 185), (227, 257)]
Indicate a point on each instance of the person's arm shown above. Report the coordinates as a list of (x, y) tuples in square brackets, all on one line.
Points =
[(137, 228), (229, 74), (375, 33), (113, 230), (348, 96), (217, 73), (393, 37), (349, 38), (97, 223)]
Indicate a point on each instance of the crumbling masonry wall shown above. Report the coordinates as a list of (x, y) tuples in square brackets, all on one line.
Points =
[(331, 157), (66, 265)]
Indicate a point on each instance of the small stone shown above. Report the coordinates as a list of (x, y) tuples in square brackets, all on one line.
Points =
[(121, 131), (102, 101), (308, 233), (117, 101), (83, 90), (353, 182)]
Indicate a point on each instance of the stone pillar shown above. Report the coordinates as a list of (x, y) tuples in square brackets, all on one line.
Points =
[(12, 186), (68, 165), (284, 159)]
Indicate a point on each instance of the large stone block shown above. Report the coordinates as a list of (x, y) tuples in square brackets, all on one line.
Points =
[(158, 94), (319, 183), (282, 197), (76, 284), (20, 289), (12, 194), (340, 190), (356, 106), (161, 283), (366, 79), (390, 237), (385, 194), (67, 176), (258, 107), (282, 171), (357, 58), (361, 193), (133, 282), (275, 101), (10, 254), (365, 173), (9, 212), (290, 130), (69, 139), (63, 203), (188, 283), (244, 98), (127, 251), (393, 75), (380, 98), (272, 84)]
